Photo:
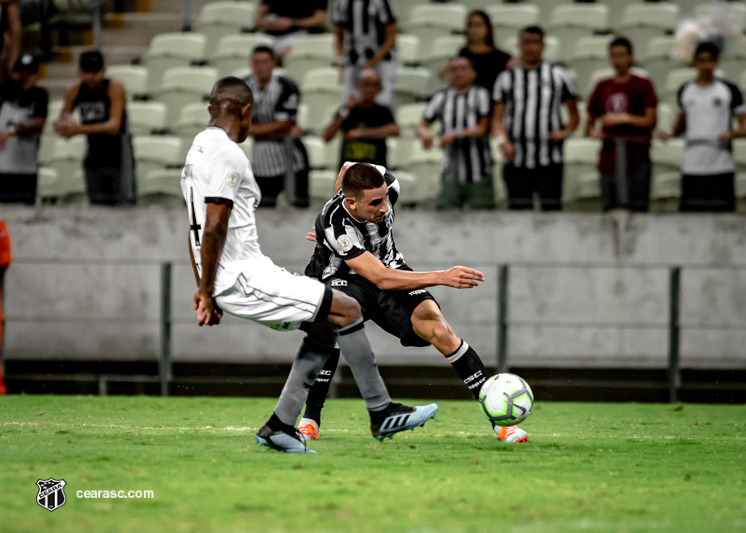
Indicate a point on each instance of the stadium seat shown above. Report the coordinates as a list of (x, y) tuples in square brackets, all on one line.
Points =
[(398, 151), (160, 186), (507, 19), (412, 84), (666, 117), (312, 120), (146, 118), (581, 187), (321, 184), (736, 12), (430, 21), (60, 189), (48, 136), (607, 72), (193, 118), (435, 57), (314, 51), (408, 117), (218, 19), (247, 146), (321, 155), (234, 51), (169, 50), (733, 60), (582, 119), (551, 47), (674, 80), (409, 49), (67, 162), (134, 78), (591, 53), (742, 82), (320, 90), (158, 152), (665, 191), (666, 156), (641, 22), (656, 59), (184, 85), (404, 10), (571, 22), (739, 153), (426, 166), (616, 9)]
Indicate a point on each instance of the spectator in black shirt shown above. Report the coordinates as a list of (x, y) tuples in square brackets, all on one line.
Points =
[(23, 111), (487, 60), (289, 21), (366, 125)]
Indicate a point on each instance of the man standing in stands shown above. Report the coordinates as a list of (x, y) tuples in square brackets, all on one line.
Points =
[(626, 105), (370, 26), (463, 110), (288, 21), (5, 259), (707, 106), (109, 163), (365, 124), (280, 160), (23, 112), (528, 124)]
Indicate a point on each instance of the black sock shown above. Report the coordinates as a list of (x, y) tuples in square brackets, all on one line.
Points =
[(320, 390), (378, 416), (469, 367), (275, 424)]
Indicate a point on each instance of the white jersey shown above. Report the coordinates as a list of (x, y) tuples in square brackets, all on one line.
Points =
[(217, 171)]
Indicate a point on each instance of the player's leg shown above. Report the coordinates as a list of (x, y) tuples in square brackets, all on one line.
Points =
[(430, 324), (311, 422)]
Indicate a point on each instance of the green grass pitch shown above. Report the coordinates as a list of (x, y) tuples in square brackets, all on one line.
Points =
[(588, 467)]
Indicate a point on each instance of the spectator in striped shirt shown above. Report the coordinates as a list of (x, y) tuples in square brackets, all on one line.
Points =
[(528, 125), (370, 30), (463, 110), (280, 160)]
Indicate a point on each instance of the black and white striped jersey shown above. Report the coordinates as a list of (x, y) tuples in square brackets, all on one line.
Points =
[(278, 100), (533, 99), (340, 237), (468, 159), (365, 21)]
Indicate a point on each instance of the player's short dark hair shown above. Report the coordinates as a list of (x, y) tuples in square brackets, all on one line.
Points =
[(229, 95), (360, 177), (621, 41), (534, 30), (262, 49), (707, 47), (91, 61)]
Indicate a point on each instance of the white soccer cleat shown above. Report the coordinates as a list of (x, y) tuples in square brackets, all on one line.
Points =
[(402, 417), (309, 429), (510, 434), (281, 441)]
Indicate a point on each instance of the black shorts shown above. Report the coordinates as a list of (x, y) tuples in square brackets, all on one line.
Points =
[(391, 310)]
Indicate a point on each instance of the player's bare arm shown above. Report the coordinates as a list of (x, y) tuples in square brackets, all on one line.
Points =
[(368, 266), (213, 239)]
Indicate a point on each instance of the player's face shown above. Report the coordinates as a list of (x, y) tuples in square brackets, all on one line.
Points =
[(262, 65), (621, 59), (369, 88), (373, 204), (531, 47), (462, 73), (476, 29), (92, 79)]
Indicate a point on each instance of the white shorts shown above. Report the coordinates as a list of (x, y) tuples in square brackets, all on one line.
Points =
[(272, 296)]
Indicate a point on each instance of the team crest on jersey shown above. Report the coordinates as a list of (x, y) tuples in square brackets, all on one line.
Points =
[(233, 178), (344, 242), (51, 493)]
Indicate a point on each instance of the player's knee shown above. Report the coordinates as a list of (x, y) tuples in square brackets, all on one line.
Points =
[(349, 309), (440, 333)]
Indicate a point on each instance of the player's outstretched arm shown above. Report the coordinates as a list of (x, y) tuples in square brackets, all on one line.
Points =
[(368, 266), (213, 239)]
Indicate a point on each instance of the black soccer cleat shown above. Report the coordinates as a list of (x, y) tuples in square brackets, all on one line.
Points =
[(282, 441), (400, 417)]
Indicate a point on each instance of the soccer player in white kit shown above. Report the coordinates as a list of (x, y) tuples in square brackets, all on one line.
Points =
[(234, 276)]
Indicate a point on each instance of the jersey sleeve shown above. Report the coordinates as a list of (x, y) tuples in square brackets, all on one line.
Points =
[(484, 109), (500, 92), (41, 103), (387, 14), (343, 239), (287, 103), (225, 177), (393, 184), (339, 12), (737, 105), (434, 106), (568, 89), (679, 100)]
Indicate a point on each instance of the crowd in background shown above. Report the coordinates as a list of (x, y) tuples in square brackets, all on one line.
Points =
[(517, 101)]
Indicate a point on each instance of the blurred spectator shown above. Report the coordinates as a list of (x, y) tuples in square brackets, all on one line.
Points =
[(289, 21), (487, 60), (109, 163), (371, 40), (528, 124), (276, 135), (5, 259), (706, 108), (366, 125), (463, 110), (12, 29), (626, 106), (23, 111)]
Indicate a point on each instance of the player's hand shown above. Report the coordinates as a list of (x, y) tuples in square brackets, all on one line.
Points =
[(726, 137), (665, 135), (595, 133), (4, 136), (559, 135), (354, 134), (311, 235), (460, 277), (447, 139), (426, 136), (508, 149), (615, 119), (208, 312)]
